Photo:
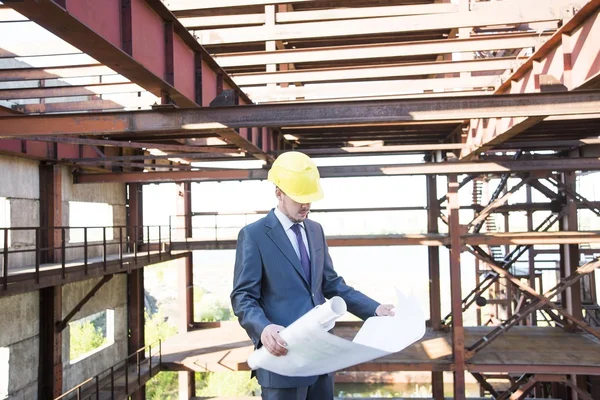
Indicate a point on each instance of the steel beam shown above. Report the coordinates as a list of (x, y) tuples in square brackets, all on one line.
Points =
[(60, 326), (50, 370), (185, 5), (458, 330), (483, 14), (95, 33), (567, 55), (311, 16), (381, 50), (59, 72), (373, 71), (435, 307), (223, 119), (519, 166), (51, 203), (133, 52), (135, 319)]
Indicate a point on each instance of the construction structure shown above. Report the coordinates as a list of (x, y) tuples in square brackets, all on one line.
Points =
[(99, 98)]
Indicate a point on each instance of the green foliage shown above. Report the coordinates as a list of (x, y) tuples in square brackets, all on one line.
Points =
[(158, 328), (208, 309), (226, 384), (85, 337), (163, 386)]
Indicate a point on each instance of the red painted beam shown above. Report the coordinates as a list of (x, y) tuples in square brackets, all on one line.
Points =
[(139, 39)]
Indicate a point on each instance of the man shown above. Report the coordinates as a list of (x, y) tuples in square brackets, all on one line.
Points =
[(283, 270)]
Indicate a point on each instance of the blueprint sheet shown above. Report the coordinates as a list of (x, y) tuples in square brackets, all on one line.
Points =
[(312, 350)]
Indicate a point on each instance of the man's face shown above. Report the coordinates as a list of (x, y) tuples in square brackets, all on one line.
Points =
[(296, 212)]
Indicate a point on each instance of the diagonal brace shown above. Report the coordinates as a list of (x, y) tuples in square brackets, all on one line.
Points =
[(60, 326), (483, 214)]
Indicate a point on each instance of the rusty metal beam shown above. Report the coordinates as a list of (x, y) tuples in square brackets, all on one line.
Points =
[(134, 55), (381, 50), (567, 54), (50, 364), (482, 14), (458, 330), (558, 164), (60, 326), (373, 71), (67, 91), (69, 106), (78, 27), (222, 120), (128, 144), (66, 71)]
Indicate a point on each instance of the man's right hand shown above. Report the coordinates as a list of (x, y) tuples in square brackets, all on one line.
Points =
[(272, 341)]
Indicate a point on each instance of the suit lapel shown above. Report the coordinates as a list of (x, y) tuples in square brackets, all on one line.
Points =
[(311, 234), (279, 237)]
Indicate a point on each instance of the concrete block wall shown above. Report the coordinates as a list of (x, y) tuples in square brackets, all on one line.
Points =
[(20, 334), (19, 183), (113, 295), (109, 193)]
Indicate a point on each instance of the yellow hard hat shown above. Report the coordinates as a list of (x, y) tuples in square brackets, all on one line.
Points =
[(297, 176)]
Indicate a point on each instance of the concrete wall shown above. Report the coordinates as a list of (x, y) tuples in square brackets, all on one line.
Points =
[(20, 330), (113, 295), (19, 183), (110, 193)]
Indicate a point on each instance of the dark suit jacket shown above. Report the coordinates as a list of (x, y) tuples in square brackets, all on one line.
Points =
[(269, 286)]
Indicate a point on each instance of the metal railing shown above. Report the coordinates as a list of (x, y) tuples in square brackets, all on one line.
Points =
[(135, 237), (105, 380), (215, 226)]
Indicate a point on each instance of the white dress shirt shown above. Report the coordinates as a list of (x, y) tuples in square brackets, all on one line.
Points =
[(287, 227)]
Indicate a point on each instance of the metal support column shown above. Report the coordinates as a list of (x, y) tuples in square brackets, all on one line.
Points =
[(569, 262), (186, 292), (135, 215), (458, 332), (50, 364), (435, 312), (187, 385), (135, 319), (183, 230), (50, 212)]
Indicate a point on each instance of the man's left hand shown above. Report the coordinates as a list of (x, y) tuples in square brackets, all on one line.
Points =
[(384, 310)]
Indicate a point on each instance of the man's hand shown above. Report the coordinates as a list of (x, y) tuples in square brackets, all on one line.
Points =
[(384, 310), (272, 341)]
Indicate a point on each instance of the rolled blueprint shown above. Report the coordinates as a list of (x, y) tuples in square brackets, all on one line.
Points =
[(312, 350)]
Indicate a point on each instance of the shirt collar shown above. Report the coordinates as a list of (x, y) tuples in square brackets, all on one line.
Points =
[(284, 220)]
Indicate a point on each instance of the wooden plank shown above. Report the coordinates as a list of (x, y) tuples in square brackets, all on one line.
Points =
[(374, 71), (227, 348), (382, 51), (498, 13)]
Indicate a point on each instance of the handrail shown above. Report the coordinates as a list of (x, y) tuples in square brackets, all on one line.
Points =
[(77, 390), (130, 237)]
